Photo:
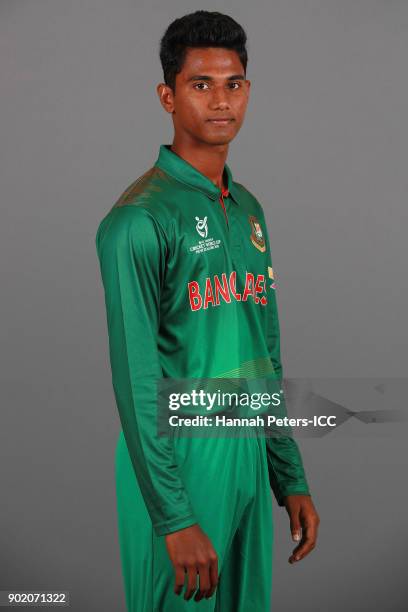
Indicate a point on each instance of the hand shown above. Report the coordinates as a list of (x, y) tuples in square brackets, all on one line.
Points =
[(191, 552), (304, 522)]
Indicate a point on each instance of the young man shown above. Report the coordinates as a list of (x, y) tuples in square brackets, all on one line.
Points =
[(190, 293)]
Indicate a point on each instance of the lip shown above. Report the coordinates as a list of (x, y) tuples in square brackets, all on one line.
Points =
[(221, 120)]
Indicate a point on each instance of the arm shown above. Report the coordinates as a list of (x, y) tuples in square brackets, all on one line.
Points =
[(286, 471), (132, 250)]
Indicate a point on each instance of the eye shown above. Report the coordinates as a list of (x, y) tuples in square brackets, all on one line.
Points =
[(235, 83), (201, 83)]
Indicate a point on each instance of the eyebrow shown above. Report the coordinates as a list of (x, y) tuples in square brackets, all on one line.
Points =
[(204, 77)]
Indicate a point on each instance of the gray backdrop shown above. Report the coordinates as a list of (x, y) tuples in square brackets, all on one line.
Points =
[(324, 148)]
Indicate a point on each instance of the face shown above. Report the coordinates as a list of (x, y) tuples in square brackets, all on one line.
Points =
[(210, 98)]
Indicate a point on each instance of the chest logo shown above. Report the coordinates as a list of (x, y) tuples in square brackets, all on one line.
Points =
[(206, 243), (256, 236), (202, 227)]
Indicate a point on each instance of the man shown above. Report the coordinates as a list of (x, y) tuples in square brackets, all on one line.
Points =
[(190, 293)]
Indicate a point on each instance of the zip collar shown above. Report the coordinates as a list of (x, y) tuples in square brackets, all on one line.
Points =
[(183, 171)]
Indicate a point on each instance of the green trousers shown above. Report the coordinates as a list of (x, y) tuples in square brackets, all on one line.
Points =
[(227, 482)]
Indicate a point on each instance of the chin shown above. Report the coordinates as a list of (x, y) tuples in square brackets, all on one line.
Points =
[(215, 139)]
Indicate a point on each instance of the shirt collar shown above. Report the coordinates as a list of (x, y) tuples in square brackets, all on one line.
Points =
[(183, 171)]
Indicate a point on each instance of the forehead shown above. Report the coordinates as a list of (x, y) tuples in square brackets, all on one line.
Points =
[(211, 61)]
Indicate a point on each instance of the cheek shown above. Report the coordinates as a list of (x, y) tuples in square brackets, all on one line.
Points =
[(190, 114), (241, 106)]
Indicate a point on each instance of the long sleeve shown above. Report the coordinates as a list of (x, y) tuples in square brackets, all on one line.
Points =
[(132, 248), (286, 471)]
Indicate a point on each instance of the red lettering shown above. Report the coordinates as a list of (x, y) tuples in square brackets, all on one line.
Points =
[(226, 288), (221, 289), (260, 283), (208, 296), (194, 295), (249, 286), (232, 284)]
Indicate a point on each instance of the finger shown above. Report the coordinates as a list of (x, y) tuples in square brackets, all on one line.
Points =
[(213, 578), (299, 553), (179, 580), (295, 527), (306, 545), (204, 575), (191, 582)]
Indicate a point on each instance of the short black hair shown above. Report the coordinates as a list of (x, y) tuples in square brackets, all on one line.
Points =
[(199, 29)]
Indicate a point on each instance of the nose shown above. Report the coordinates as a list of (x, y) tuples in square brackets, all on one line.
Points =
[(219, 98)]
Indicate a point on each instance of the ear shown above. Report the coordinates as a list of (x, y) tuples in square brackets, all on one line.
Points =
[(166, 97)]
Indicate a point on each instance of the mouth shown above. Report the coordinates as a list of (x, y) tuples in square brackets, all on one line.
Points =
[(221, 120)]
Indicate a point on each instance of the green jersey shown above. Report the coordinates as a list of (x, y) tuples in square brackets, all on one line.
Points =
[(190, 293)]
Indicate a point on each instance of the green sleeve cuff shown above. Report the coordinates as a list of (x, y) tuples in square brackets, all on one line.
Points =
[(167, 527), (290, 491)]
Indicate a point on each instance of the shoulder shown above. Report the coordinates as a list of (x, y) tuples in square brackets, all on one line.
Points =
[(147, 189), (130, 229), (140, 212)]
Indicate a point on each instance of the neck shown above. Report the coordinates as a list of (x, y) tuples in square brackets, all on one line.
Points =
[(207, 159)]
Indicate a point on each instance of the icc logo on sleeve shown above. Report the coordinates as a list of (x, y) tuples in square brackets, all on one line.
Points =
[(257, 237)]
